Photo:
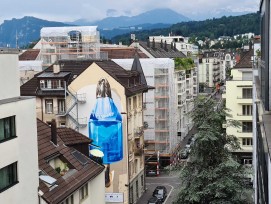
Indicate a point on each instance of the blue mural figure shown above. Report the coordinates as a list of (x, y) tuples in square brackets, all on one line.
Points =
[(105, 125)]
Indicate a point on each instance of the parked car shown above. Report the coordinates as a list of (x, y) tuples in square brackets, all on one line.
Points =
[(151, 173), (160, 192), (184, 154), (154, 200)]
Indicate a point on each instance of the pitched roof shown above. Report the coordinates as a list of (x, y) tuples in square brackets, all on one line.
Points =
[(71, 137), (76, 67), (123, 53), (78, 175), (245, 61), (30, 54), (160, 52)]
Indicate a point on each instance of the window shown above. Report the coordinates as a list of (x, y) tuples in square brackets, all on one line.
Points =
[(7, 128), (61, 105), (49, 106), (69, 200), (8, 176), (247, 142), (246, 126), (247, 93), (247, 109), (83, 192), (142, 180), (247, 76), (247, 161)]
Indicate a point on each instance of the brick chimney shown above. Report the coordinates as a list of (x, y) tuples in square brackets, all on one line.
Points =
[(53, 132)]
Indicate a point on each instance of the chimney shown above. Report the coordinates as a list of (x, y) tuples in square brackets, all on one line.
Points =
[(175, 46), (56, 68), (148, 43), (153, 43), (171, 45), (165, 46), (161, 44), (53, 132)]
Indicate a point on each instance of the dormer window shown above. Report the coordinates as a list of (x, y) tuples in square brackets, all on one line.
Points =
[(51, 84)]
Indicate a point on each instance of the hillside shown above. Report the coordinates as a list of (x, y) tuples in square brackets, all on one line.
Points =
[(27, 29), (211, 28)]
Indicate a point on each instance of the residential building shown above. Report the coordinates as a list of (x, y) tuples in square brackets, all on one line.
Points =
[(261, 110), (179, 42), (167, 80), (239, 101), (166, 121), (19, 179), (209, 70), (66, 174), (66, 91)]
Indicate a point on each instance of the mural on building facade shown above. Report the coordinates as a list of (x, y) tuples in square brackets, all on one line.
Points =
[(105, 127)]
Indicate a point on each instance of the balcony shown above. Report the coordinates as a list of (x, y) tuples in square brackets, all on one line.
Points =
[(242, 117), (242, 100)]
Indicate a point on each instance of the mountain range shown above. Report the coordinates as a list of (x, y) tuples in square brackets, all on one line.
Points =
[(161, 16)]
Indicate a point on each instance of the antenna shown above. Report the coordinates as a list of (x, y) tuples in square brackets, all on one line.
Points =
[(16, 39)]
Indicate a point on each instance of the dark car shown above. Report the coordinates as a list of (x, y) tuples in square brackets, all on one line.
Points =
[(160, 192), (154, 200), (151, 173)]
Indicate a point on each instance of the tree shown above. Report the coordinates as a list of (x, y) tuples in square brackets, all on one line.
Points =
[(212, 175)]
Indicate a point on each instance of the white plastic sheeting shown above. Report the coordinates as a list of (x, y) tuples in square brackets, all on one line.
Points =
[(63, 31), (161, 106)]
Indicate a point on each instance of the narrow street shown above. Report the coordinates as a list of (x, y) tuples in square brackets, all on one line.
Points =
[(169, 180)]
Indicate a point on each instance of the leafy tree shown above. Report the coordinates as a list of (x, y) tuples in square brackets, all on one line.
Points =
[(212, 175), (183, 63)]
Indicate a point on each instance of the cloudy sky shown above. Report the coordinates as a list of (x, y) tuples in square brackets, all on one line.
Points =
[(67, 10)]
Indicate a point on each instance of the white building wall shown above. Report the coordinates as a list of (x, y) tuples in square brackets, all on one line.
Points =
[(9, 75), (23, 148)]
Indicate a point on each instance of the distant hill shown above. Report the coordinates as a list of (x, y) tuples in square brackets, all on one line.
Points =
[(27, 29), (211, 28), (162, 16)]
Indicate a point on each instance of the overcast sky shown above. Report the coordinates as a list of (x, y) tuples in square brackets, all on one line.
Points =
[(67, 10)]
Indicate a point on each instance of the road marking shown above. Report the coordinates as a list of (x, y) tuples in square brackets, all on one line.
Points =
[(172, 188)]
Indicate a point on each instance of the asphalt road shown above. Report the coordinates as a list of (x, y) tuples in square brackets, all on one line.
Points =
[(169, 180)]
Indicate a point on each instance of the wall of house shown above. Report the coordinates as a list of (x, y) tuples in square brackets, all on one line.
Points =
[(23, 150), (86, 83), (234, 101)]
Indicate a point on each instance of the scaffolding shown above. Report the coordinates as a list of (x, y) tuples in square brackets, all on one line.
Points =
[(70, 43)]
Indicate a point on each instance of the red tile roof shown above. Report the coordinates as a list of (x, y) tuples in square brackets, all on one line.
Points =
[(71, 137), (30, 54), (245, 61), (123, 53), (81, 173)]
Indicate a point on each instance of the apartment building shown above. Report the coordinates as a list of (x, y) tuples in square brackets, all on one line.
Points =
[(178, 42), (239, 100), (19, 179), (261, 111), (67, 92)]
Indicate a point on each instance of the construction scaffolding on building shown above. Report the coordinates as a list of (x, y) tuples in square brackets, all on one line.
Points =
[(72, 43)]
